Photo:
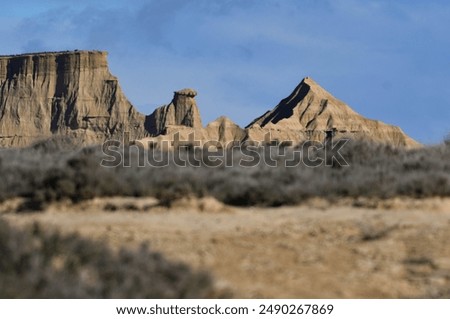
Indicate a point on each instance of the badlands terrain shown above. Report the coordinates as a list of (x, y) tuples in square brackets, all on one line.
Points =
[(373, 220), (74, 94)]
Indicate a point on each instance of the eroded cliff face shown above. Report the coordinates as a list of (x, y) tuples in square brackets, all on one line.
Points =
[(63, 93), (312, 113)]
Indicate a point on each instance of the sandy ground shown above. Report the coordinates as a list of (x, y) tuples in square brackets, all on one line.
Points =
[(357, 249)]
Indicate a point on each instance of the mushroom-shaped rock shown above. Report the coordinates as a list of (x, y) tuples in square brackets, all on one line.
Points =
[(182, 111)]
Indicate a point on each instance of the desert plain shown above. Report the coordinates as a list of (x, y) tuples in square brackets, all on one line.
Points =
[(359, 248)]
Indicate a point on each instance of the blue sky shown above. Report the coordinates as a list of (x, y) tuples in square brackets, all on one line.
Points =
[(389, 60)]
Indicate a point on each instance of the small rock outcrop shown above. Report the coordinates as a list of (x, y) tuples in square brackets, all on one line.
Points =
[(182, 111), (225, 131), (220, 133), (312, 113), (63, 93)]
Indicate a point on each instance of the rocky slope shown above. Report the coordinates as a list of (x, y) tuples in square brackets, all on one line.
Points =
[(312, 113), (63, 93)]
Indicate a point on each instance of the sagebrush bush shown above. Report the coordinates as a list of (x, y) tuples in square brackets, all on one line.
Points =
[(41, 264), (46, 174)]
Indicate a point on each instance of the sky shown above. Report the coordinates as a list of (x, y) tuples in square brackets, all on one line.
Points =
[(389, 60)]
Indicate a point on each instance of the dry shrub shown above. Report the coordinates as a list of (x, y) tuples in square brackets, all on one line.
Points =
[(47, 174), (40, 264)]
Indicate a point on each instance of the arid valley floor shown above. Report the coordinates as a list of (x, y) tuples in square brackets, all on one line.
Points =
[(347, 249)]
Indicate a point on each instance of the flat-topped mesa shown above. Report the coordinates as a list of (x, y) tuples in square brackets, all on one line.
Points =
[(37, 64), (312, 113), (63, 93), (181, 112)]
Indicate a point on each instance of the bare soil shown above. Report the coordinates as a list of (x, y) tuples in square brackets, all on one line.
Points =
[(347, 249)]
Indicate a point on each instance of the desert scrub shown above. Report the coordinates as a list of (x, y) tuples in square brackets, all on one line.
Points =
[(46, 173), (41, 264)]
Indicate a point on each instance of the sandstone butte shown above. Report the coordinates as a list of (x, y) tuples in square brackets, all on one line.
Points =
[(74, 94)]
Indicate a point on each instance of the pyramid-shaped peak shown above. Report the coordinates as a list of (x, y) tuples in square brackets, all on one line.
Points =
[(309, 84), (308, 80), (308, 90), (312, 113)]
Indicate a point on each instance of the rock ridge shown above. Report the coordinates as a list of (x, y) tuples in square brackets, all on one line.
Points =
[(73, 93)]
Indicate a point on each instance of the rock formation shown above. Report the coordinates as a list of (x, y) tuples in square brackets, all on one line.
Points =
[(312, 113), (63, 93), (221, 132), (74, 94), (225, 131), (182, 111)]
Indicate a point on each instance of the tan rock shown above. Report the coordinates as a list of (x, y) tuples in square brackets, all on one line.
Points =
[(220, 133), (74, 94), (183, 136), (225, 131), (63, 93), (182, 111), (312, 113)]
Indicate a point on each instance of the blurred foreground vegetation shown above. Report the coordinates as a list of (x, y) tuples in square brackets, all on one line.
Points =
[(46, 264)]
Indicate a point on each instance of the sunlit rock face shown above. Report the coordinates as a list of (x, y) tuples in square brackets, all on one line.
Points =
[(63, 93), (74, 94), (312, 113)]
